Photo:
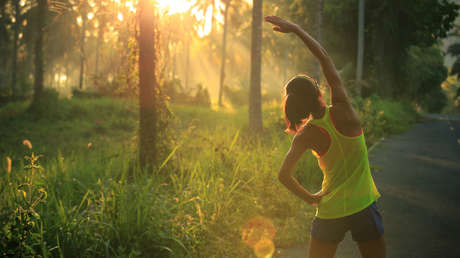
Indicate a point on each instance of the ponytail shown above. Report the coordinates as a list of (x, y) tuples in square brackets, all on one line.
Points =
[(301, 100)]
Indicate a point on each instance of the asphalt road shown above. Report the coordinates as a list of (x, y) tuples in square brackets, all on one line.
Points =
[(418, 175)]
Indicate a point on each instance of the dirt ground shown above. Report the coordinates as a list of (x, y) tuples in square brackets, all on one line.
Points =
[(418, 175)]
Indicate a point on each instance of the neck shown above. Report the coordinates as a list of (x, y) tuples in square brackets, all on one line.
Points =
[(319, 113)]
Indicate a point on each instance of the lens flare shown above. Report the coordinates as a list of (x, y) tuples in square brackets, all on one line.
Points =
[(264, 248), (258, 233)]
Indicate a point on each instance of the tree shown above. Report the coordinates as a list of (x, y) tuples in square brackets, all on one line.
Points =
[(224, 57), (17, 24), (395, 26), (360, 56), (39, 63), (319, 36), (255, 99), (147, 84), (84, 12)]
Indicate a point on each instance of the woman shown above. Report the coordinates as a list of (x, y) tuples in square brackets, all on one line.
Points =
[(347, 198)]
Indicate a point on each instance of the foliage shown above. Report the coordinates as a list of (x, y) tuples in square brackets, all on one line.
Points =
[(20, 232), (211, 182), (425, 72), (380, 117), (178, 94), (451, 87)]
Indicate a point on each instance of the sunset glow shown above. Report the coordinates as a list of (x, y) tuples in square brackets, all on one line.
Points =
[(174, 6)]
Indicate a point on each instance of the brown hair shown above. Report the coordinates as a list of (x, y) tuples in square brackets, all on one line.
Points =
[(302, 98)]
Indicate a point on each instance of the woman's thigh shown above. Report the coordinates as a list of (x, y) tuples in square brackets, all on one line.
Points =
[(321, 249), (373, 248)]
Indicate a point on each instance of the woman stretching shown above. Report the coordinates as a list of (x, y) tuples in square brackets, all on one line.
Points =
[(333, 133)]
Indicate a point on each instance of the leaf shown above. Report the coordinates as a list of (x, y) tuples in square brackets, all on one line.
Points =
[(27, 143), (8, 162), (168, 158)]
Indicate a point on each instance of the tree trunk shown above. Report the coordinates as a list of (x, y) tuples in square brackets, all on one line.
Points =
[(82, 46), (255, 98), (100, 35), (224, 45), (360, 57), (213, 20), (147, 85), (187, 62), (15, 48), (39, 64), (319, 36)]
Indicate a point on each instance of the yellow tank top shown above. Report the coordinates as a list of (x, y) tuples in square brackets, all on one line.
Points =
[(347, 178)]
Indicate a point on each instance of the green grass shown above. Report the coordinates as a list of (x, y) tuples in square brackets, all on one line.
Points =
[(98, 202)]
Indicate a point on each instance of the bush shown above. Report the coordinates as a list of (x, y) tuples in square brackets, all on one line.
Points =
[(77, 93), (380, 117), (425, 72)]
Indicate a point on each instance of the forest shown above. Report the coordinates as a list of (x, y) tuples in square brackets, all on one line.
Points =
[(154, 128)]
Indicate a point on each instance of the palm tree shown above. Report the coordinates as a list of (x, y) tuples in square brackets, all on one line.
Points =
[(82, 43), (147, 84), (17, 14), (319, 24), (39, 66), (224, 53), (255, 99), (360, 57)]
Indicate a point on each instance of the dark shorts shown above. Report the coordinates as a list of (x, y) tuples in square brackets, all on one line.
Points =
[(364, 226)]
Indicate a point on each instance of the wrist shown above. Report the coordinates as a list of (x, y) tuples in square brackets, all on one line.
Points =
[(297, 28)]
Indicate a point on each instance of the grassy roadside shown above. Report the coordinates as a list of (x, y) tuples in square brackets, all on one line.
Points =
[(85, 196)]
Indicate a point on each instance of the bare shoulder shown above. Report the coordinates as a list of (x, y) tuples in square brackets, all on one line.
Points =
[(305, 136)]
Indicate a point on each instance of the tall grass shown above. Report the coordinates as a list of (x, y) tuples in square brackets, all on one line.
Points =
[(93, 200)]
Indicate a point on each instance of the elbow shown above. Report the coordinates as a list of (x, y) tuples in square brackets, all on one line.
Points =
[(283, 178)]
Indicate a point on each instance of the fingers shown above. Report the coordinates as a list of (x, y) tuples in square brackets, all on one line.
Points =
[(272, 19), (276, 28)]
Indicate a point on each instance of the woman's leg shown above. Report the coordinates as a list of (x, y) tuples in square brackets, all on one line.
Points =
[(373, 248), (321, 249)]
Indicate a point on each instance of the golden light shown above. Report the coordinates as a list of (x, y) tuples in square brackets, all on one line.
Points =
[(174, 6), (90, 16), (22, 2), (204, 29), (130, 5), (120, 16), (258, 233), (79, 20)]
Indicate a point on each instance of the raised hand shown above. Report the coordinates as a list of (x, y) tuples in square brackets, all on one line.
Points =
[(281, 25)]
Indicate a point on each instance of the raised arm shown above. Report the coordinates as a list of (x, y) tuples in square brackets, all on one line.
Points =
[(338, 92)]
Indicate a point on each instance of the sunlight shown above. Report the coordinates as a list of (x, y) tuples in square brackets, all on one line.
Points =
[(258, 233), (131, 7), (174, 6), (204, 29), (120, 16), (79, 20)]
